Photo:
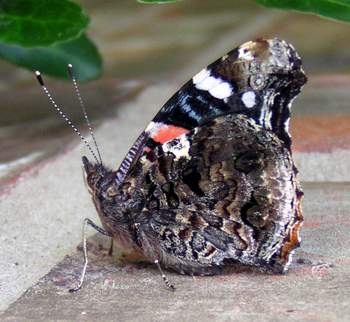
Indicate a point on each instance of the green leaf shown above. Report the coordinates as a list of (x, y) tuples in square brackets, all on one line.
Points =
[(53, 60), (158, 1), (334, 9), (32, 23)]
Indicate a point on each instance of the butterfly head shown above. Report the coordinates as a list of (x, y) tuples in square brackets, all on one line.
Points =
[(99, 180)]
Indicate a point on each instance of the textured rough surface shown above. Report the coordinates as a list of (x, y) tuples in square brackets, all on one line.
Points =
[(315, 289)]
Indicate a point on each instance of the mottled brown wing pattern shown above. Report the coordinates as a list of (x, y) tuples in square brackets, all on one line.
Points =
[(224, 191)]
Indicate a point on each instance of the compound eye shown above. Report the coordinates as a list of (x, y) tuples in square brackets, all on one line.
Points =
[(92, 179), (112, 191)]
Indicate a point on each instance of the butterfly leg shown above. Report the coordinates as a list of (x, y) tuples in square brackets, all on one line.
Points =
[(153, 256), (87, 222), (165, 279), (110, 252)]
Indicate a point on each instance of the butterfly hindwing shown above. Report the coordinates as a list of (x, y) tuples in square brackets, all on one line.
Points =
[(214, 194)]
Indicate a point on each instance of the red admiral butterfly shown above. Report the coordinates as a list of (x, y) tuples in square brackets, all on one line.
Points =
[(211, 181)]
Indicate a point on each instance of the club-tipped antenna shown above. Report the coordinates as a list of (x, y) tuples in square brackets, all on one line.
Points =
[(63, 115), (82, 105)]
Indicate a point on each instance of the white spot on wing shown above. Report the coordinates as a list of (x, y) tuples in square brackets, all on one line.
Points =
[(153, 128), (221, 91), (208, 83), (249, 99), (180, 149), (204, 73), (215, 86)]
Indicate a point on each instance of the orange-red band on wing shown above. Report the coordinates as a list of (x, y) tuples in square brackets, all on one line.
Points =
[(168, 132)]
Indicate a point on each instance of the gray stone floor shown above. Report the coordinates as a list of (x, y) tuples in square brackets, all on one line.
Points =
[(315, 289)]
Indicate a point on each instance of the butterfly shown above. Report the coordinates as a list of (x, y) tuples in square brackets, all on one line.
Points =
[(211, 180)]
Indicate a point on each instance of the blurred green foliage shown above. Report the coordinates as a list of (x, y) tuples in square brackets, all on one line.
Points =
[(334, 9), (53, 60), (46, 35)]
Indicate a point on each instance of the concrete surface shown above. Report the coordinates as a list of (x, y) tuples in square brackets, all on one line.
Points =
[(315, 289)]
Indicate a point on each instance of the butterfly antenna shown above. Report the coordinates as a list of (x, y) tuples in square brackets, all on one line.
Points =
[(63, 115), (82, 105)]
